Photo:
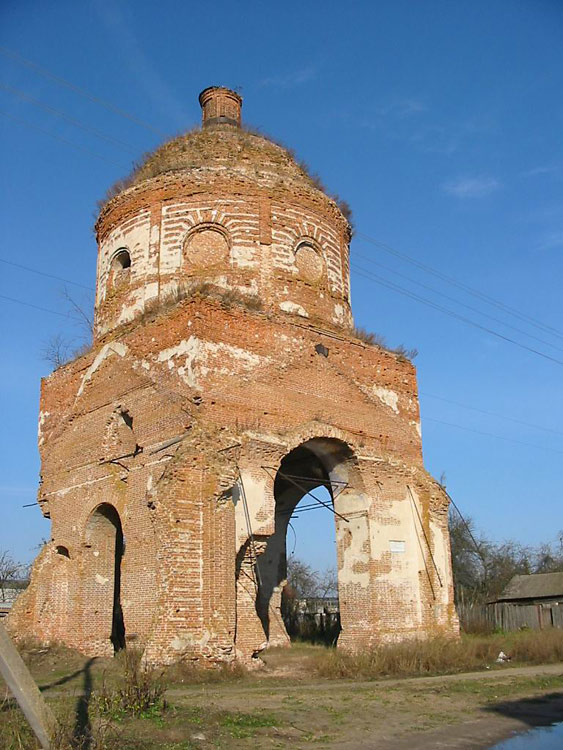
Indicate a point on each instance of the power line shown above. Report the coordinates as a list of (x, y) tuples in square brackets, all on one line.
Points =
[(490, 434), (77, 90), (59, 113), (491, 413), (35, 307), (456, 301), (401, 290), (426, 418), (27, 124), (466, 288), (42, 273)]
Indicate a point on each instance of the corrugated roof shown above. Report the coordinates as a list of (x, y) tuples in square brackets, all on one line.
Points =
[(533, 587)]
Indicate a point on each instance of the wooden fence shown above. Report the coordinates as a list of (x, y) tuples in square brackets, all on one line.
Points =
[(509, 617)]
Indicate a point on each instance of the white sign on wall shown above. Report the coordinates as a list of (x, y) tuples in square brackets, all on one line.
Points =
[(397, 546)]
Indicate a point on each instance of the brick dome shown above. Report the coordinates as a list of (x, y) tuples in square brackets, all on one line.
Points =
[(277, 225)]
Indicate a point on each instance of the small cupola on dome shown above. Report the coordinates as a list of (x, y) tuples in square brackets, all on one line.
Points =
[(220, 106)]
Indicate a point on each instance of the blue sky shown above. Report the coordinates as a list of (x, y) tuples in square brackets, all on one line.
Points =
[(438, 121)]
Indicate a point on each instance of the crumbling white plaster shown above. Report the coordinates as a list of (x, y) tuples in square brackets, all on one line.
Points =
[(387, 396), (293, 307), (416, 424), (201, 357), (243, 256), (114, 347), (42, 418)]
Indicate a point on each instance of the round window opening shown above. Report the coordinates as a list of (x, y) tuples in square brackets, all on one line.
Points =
[(309, 263)]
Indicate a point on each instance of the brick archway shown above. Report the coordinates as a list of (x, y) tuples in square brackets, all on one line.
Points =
[(103, 551)]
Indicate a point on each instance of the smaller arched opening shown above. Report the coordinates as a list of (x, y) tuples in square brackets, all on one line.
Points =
[(62, 551), (120, 267), (105, 547)]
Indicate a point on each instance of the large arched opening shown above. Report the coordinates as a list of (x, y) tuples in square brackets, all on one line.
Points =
[(309, 480), (104, 543)]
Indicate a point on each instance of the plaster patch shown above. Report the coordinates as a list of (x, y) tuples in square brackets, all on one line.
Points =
[(293, 307), (42, 418), (114, 347), (202, 357), (388, 397), (243, 256)]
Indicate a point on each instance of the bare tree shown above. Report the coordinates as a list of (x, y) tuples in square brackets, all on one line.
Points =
[(10, 571), (79, 311), (56, 350), (59, 350)]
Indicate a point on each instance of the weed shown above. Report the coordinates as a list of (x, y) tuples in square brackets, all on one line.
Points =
[(140, 693), (376, 339), (242, 725)]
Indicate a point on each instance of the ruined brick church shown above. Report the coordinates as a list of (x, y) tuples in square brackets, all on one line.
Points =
[(225, 382)]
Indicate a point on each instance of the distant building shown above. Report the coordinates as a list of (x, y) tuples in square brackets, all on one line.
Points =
[(9, 592), (536, 601), (541, 588)]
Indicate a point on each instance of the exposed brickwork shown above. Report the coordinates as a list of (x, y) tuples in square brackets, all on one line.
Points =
[(223, 350)]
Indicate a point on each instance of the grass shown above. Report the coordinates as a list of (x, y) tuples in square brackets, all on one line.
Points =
[(305, 695), (226, 297), (197, 148), (442, 655), (139, 693), (376, 339)]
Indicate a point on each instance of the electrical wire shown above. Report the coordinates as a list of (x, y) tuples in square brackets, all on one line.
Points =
[(490, 434), (457, 301), (35, 307), (30, 125), (466, 288), (78, 90), (401, 290), (491, 413), (59, 113), (47, 275), (425, 419)]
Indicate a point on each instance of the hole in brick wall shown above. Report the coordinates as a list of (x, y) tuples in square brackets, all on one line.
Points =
[(322, 350), (197, 400), (62, 551)]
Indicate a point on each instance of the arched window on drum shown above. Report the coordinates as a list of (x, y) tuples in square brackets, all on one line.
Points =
[(120, 268)]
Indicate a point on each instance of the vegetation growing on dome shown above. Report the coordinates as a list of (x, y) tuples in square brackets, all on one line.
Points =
[(190, 150)]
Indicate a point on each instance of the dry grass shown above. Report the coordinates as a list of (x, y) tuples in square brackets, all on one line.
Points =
[(226, 297), (140, 692), (376, 339), (442, 655), (186, 150), (190, 673)]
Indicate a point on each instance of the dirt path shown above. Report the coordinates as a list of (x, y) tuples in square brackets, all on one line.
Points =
[(283, 707), (461, 711)]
